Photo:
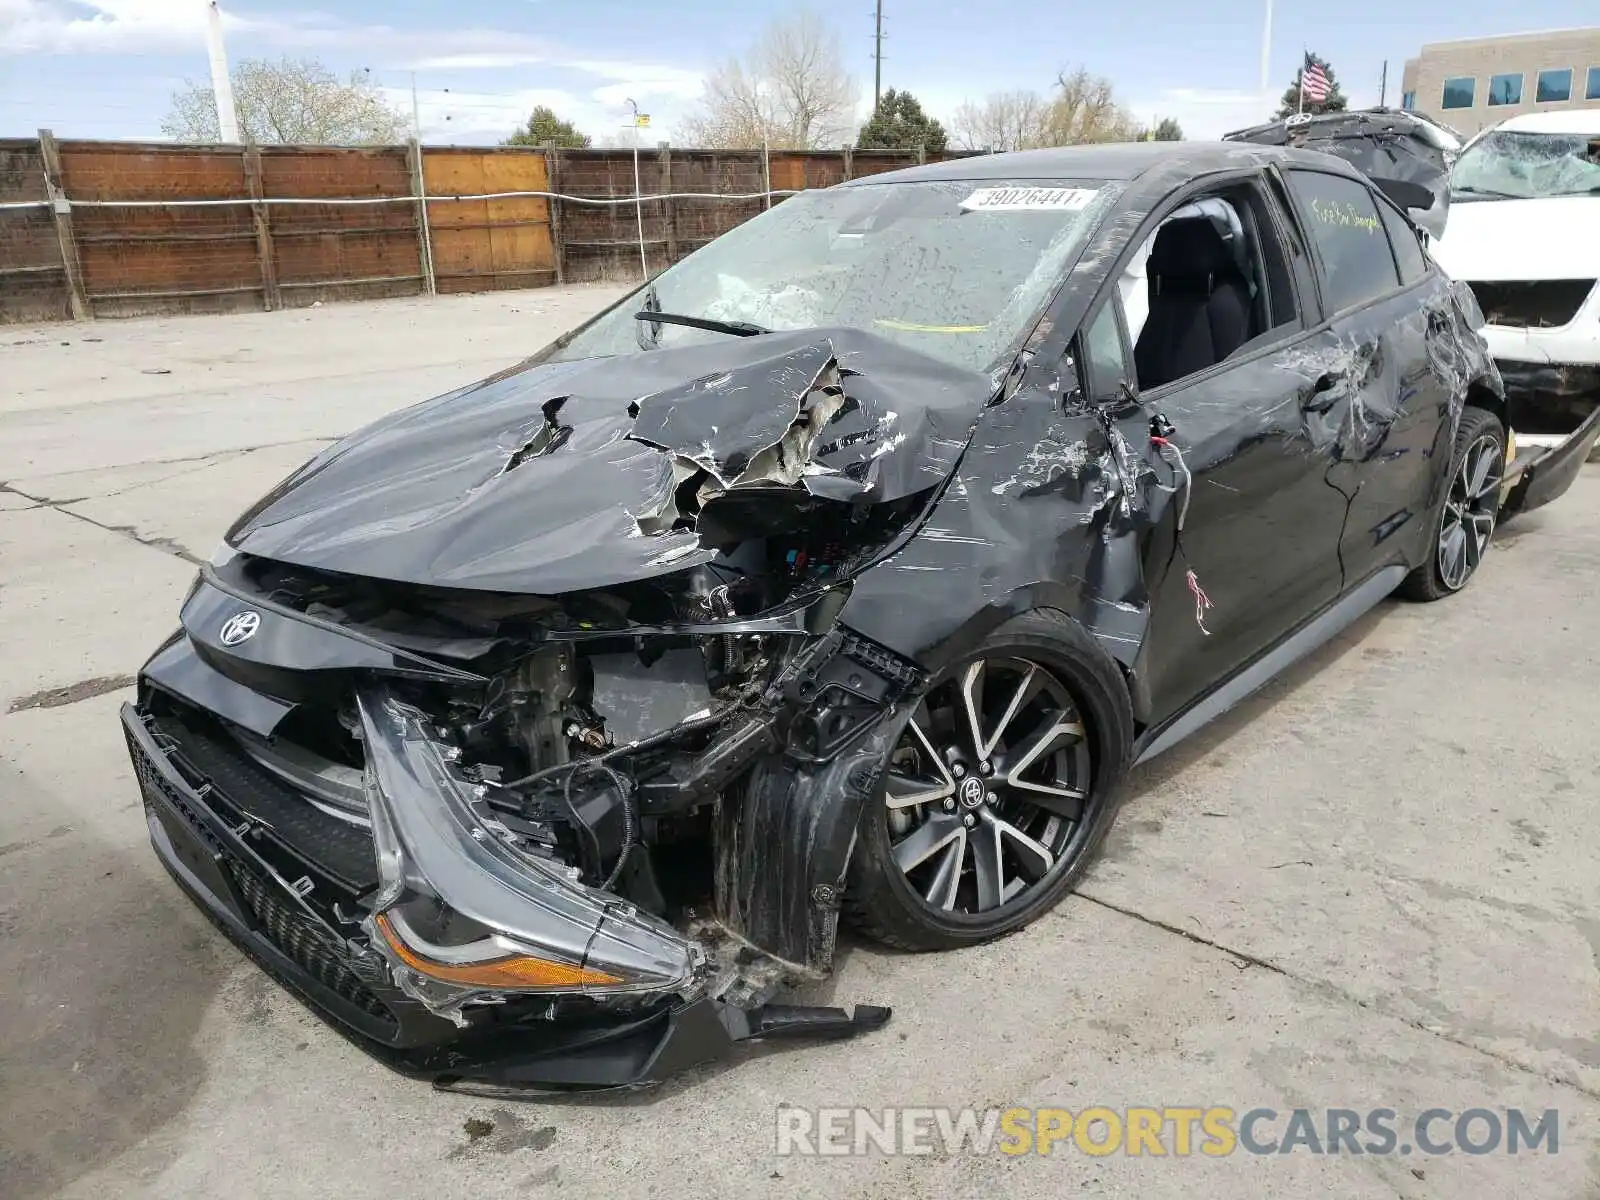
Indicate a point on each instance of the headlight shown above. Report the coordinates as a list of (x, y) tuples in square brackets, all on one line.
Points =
[(490, 962), (463, 916)]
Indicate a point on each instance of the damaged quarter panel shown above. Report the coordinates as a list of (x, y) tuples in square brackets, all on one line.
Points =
[(1370, 374)]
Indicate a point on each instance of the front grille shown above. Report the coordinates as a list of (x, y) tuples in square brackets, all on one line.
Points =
[(317, 954), (312, 838), (1532, 304), (315, 950)]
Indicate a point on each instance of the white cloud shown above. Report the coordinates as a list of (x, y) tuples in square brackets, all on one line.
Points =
[(481, 61), (1206, 113), (133, 26), (48, 26), (475, 118)]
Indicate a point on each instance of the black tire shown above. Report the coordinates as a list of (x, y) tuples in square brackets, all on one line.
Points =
[(880, 899), (1463, 509)]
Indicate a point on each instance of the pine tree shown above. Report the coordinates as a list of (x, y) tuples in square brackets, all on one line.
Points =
[(1165, 130), (545, 127), (900, 124)]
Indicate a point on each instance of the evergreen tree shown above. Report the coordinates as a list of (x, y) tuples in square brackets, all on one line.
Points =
[(900, 124), (545, 127)]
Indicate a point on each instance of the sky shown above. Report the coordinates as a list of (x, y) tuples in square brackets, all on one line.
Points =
[(107, 68)]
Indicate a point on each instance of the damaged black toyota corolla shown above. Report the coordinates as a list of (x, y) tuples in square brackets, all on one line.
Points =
[(542, 733)]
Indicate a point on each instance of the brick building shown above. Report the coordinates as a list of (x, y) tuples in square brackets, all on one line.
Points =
[(1476, 82)]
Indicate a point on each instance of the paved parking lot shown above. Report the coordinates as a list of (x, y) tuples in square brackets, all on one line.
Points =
[(1375, 885)]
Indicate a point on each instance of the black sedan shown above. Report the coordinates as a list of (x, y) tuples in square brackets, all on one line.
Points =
[(541, 734)]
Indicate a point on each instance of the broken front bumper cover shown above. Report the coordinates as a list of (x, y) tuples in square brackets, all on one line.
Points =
[(561, 1040), (1534, 480)]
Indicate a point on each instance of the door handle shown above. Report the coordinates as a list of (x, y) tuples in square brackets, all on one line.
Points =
[(1322, 395)]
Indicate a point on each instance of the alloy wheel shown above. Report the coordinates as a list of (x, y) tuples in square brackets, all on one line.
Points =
[(1469, 511), (988, 790)]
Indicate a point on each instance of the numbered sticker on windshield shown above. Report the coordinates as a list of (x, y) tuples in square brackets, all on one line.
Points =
[(1028, 199)]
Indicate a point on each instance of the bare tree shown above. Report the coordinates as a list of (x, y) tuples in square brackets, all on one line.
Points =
[(1083, 109), (791, 87), (289, 101), (1003, 121)]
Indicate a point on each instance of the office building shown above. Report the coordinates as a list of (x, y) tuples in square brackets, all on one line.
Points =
[(1474, 83)]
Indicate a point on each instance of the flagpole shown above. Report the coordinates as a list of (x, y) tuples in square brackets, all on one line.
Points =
[(1303, 53), (1266, 51)]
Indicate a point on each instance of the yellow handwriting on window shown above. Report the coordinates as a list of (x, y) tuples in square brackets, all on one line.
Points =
[(1343, 214)]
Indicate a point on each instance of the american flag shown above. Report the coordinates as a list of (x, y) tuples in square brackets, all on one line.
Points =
[(1314, 83)]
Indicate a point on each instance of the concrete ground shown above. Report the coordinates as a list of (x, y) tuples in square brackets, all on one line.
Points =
[(1373, 886)]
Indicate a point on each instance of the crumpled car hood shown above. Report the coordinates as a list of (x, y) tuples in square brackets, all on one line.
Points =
[(563, 477), (1550, 238)]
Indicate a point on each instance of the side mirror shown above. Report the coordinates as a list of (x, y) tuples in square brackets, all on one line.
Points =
[(1405, 194)]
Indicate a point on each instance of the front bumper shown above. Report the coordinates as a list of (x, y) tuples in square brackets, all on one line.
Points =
[(247, 864), (1534, 480)]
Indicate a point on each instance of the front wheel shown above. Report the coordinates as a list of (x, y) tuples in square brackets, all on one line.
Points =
[(1466, 519), (997, 792)]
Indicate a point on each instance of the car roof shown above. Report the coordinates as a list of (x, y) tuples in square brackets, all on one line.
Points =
[(1115, 161), (1566, 120), (1354, 121)]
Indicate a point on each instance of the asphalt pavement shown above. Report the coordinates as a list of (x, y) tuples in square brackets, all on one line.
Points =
[(1375, 885)]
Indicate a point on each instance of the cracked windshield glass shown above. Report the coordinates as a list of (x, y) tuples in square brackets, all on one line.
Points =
[(1528, 166), (958, 270)]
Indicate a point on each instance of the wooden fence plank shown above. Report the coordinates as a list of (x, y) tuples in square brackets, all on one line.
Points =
[(61, 210), (271, 297)]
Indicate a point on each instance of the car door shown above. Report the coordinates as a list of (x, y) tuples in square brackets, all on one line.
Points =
[(1375, 396), (1257, 551)]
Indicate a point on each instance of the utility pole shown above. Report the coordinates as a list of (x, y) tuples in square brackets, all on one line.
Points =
[(1383, 85), (416, 113), (221, 83), (877, 58)]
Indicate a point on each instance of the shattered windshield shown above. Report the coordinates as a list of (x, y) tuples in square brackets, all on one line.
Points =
[(958, 270), (1509, 165)]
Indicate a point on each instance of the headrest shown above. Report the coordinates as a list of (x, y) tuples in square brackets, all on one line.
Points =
[(1192, 248)]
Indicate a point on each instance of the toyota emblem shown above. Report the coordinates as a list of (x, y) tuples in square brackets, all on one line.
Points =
[(240, 627)]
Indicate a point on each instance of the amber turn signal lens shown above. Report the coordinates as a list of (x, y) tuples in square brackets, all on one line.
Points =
[(513, 971)]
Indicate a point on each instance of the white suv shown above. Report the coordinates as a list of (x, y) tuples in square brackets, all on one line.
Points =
[(1524, 232)]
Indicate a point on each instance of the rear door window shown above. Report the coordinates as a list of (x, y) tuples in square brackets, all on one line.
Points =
[(1341, 218), (1407, 247)]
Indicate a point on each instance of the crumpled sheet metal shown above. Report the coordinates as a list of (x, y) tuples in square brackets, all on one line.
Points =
[(1007, 534), (473, 490), (1458, 353)]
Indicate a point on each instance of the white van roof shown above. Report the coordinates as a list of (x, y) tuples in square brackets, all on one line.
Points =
[(1561, 120)]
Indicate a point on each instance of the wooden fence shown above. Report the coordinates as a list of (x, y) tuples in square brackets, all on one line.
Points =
[(105, 229)]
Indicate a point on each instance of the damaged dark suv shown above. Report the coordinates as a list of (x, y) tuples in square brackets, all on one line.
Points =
[(543, 733)]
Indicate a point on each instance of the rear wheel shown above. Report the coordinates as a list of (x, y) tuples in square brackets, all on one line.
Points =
[(997, 792), (1466, 520)]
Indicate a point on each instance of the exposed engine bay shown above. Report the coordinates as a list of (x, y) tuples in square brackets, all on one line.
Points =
[(592, 746)]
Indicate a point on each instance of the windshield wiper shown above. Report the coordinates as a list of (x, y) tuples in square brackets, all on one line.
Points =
[(737, 328), (1476, 191)]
